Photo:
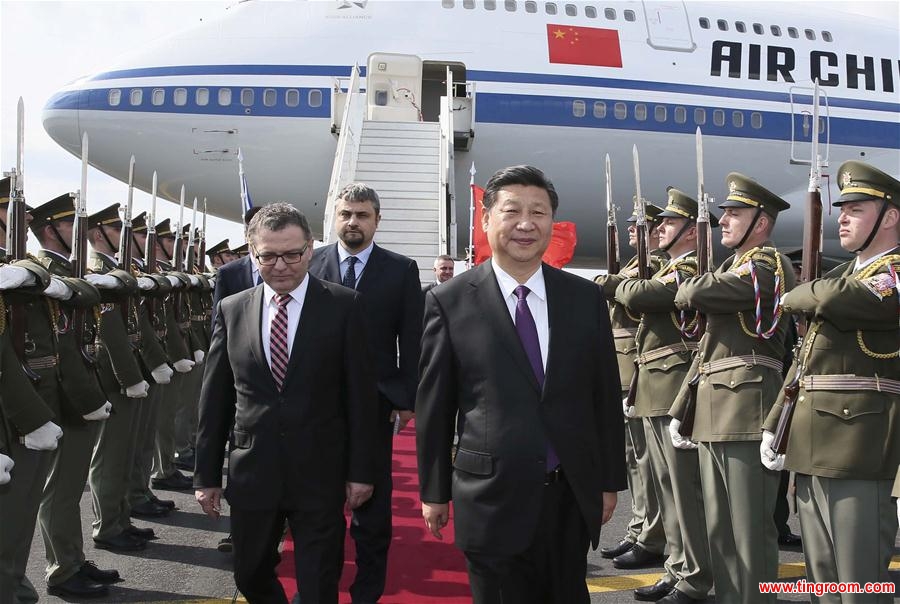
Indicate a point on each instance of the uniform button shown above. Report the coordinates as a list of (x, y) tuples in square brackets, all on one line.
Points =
[(801, 399), (732, 382), (665, 366), (846, 411), (702, 382)]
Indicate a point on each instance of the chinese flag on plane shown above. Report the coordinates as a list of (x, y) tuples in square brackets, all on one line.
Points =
[(559, 253), (583, 45)]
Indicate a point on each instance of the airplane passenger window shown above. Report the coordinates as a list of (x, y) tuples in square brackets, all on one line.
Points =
[(640, 112), (158, 97), (610, 13), (629, 15), (776, 31), (704, 23), (571, 10), (469, 4), (620, 110), (810, 34), (659, 113), (578, 108), (224, 96), (115, 97), (530, 6), (680, 115), (201, 97), (756, 120), (590, 12), (247, 97), (447, 3), (792, 32), (722, 24), (699, 116), (826, 35), (757, 28), (510, 6), (490, 4), (740, 26), (550, 8), (737, 119), (314, 98), (137, 95), (269, 97), (599, 109), (180, 96), (718, 117), (292, 97)]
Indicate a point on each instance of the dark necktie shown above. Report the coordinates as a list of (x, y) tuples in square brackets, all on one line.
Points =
[(278, 340), (528, 334), (350, 275)]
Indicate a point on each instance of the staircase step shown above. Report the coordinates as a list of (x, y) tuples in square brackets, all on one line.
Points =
[(397, 169), (365, 159), (413, 126), (382, 141), (400, 178)]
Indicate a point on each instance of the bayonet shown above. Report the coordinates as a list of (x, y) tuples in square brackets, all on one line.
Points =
[(612, 227)]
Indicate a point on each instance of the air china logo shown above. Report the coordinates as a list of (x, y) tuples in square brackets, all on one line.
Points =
[(350, 9)]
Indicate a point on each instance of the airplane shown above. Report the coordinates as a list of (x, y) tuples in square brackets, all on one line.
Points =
[(555, 84)]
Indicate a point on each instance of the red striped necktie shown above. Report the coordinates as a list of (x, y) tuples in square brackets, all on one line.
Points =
[(278, 341)]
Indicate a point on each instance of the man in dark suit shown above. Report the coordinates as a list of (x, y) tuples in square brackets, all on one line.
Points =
[(443, 271), (289, 366), (392, 295), (237, 275), (524, 354)]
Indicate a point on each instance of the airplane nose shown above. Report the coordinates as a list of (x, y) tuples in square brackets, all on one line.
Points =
[(60, 119)]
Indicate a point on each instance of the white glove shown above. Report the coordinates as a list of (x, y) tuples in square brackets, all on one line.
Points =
[(195, 280), (138, 390), (102, 281), (678, 441), (146, 283), (162, 374), (44, 438), (183, 366), (12, 277), (212, 282), (6, 464), (99, 414), (175, 281), (627, 409), (767, 454), (58, 289), (198, 356)]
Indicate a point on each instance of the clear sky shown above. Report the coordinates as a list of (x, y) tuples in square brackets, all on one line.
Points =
[(44, 45)]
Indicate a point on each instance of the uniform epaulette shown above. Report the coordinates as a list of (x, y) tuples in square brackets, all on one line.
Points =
[(765, 256), (687, 265)]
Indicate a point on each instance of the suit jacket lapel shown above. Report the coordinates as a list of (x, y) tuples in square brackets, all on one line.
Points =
[(490, 299), (370, 272), (310, 316), (557, 317), (254, 327), (248, 273)]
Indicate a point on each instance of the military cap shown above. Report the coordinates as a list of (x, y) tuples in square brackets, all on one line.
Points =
[(139, 223), (108, 216), (59, 208), (241, 250), (652, 212), (218, 248), (186, 230), (679, 205), (744, 192), (164, 229), (861, 182)]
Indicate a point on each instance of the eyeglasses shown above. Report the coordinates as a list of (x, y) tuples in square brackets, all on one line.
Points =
[(288, 257)]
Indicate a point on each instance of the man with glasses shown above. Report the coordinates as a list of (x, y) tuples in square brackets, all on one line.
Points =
[(287, 364)]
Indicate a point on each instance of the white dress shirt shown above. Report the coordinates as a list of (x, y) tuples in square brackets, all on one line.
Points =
[(362, 259), (858, 266), (270, 308), (537, 303)]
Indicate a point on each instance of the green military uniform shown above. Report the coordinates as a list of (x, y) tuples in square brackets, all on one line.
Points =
[(119, 368), (740, 367), (645, 526), (217, 249), (844, 441), (663, 356)]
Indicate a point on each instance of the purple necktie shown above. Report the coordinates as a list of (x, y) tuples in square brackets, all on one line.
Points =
[(528, 334)]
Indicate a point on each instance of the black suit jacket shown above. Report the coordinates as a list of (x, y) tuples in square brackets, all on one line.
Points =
[(292, 449), (392, 298), (473, 363), (231, 278)]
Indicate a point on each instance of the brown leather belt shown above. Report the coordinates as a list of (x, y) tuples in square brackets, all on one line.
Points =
[(661, 353), (747, 361), (850, 382), (47, 362)]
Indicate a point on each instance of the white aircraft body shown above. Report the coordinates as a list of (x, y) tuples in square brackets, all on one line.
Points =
[(260, 78)]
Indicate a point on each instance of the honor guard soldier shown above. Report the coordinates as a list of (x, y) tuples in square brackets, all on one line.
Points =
[(68, 572), (645, 529), (664, 350), (844, 439), (738, 373), (122, 377), (241, 250), (220, 254)]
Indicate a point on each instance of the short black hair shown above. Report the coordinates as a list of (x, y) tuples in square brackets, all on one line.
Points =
[(277, 216), (528, 176), (359, 191)]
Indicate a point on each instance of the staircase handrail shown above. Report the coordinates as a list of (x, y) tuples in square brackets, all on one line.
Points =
[(342, 170)]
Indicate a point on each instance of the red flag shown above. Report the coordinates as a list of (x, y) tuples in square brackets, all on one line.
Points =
[(559, 253), (583, 45)]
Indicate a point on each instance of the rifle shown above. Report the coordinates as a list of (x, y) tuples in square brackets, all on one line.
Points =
[(191, 253), (640, 213), (704, 265), (612, 227), (810, 269), (150, 250), (80, 251), (126, 246), (15, 237), (201, 260), (178, 260)]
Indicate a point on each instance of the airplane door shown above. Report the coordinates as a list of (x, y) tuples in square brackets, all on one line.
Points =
[(668, 27)]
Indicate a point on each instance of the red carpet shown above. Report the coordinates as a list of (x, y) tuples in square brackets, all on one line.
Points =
[(421, 569)]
